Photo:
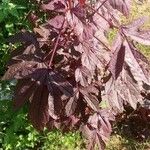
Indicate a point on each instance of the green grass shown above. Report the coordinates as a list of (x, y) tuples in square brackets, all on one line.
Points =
[(138, 11), (117, 142)]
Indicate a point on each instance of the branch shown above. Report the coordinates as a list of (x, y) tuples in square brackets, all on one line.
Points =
[(56, 44)]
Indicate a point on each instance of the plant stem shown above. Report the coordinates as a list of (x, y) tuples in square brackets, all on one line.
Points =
[(56, 44), (95, 11), (99, 7)]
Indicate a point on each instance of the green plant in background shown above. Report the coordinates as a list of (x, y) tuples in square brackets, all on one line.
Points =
[(12, 18), (17, 133), (4, 55), (8, 10)]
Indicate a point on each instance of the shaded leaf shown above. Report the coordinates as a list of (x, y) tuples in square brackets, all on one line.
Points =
[(59, 81), (90, 99), (24, 37), (117, 61), (19, 70), (72, 104), (23, 92), (39, 108)]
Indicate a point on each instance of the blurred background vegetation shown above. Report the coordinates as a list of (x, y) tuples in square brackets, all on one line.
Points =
[(16, 132)]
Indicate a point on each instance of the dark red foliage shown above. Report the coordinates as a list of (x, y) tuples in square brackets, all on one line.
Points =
[(66, 68)]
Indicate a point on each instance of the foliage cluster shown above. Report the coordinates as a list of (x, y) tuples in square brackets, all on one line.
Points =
[(67, 70)]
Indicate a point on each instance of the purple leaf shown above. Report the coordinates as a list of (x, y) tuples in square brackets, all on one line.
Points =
[(23, 92), (83, 75), (142, 37), (122, 5), (56, 22), (97, 130), (91, 57), (67, 67), (122, 91), (39, 108), (117, 61), (133, 31), (24, 37), (90, 99), (51, 104), (72, 104), (20, 70), (56, 5), (59, 81), (136, 24), (133, 62), (75, 24), (79, 12)]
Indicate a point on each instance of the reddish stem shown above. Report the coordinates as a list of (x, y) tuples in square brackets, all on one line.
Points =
[(56, 44), (99, 7), (95, 11)]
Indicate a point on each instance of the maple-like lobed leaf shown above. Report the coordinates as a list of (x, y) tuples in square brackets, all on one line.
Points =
[(142, 37), (137, 23), (90, 57), (134, 32), (91, 135)]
